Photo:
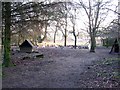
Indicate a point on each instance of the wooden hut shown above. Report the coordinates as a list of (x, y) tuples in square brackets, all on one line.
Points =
[(26, 46)]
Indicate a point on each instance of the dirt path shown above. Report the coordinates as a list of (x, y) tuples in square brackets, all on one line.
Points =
[(60, 68)]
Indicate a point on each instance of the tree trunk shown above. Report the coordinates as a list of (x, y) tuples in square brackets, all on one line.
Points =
[(75, 36), (7, 34), (75, 42), (65, 36), (66, 22), (1, 34), (65, 40), (55, 32), (93, 43), (55, 35)]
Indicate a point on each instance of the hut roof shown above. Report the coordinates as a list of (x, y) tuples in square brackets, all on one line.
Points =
[(26, 43)]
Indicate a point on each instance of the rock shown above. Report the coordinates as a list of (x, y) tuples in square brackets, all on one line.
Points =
[(25, 58), (13, 53), (35, 52), (39, 56), (88, 67)]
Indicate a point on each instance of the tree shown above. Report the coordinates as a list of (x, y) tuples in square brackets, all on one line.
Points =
[(7, 33), (36, 17), (110, 33), (23, 19), (55, 33), (96, 14), (73, 20), (64, 20), (29, 18)]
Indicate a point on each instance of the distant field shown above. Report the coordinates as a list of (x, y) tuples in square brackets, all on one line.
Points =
[(62, 43)]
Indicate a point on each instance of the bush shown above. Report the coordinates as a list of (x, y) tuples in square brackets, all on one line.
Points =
[(108, 42)]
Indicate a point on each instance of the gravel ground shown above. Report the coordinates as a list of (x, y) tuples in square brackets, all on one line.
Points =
[(63, 68)]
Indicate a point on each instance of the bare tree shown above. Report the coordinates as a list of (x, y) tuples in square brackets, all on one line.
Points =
[(75, 34), (96, 14), (66, 22), (55, 33)]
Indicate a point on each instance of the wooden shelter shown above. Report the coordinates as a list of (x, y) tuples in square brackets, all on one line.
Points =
[(26, 46)]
